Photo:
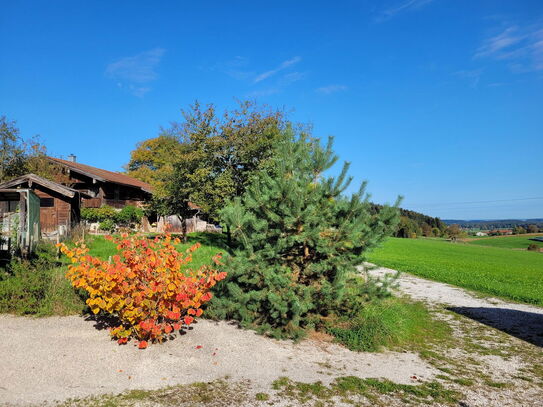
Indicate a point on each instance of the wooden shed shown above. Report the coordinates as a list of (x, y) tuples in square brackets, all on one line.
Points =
[(59, 205), (19, 220)]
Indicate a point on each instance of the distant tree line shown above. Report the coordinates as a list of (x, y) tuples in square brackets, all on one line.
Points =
[(414, 224), (529, 225)]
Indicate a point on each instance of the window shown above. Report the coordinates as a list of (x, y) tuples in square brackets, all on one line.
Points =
[(13, 206), (47, 202)]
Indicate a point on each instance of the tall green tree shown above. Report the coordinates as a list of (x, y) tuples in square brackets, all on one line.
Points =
[(214, 159), (152, 160), (12, 150), (19, 156), (297, 237)]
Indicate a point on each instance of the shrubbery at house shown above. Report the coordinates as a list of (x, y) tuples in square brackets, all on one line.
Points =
[(297, 239), (109, 217)]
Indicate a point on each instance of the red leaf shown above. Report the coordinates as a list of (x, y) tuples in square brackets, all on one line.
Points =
[(199, 347)]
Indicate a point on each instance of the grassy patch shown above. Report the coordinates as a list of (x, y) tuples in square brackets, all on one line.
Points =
[(351, 389), (38, 286), (262, 396), (391, 323), (39, 291), (216, 393), (516, 275)]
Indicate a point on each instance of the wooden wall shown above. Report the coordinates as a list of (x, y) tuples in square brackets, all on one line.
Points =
[(117, 196), (51, 217)]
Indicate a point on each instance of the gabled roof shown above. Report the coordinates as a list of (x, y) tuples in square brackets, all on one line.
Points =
[(29, 179), (104, 175)]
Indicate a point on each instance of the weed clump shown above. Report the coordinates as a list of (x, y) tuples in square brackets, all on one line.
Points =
[(389, 323)]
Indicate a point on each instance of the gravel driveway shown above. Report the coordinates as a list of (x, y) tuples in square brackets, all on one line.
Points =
[(61, 357), (48, 359)]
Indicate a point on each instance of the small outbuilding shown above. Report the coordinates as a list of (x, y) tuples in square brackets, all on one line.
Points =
[(59, 205), (19, 221)]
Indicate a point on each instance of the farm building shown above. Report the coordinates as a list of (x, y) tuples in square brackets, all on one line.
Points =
[(59, 205), (81, 186), (102, 187)]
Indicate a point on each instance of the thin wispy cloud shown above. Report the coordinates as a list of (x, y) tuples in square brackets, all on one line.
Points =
[(399, 8), (262, 93), (328, 90), (237, 68), (131, 73), (521, 47), (284, 65), (292, 77)]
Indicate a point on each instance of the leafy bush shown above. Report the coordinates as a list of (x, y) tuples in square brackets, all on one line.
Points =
[(109, 217), (128, 216), (390, 323), (107, 225), (98, 214), (147, 286), (533, 247), (297, 238)]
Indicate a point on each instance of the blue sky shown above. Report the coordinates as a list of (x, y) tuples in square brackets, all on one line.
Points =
[(437, 100)]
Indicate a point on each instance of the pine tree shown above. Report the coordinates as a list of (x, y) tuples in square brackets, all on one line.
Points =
[(297, 238)]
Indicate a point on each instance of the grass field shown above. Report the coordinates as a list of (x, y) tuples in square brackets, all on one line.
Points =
[(512, 274), (508, 242), (211, 244)]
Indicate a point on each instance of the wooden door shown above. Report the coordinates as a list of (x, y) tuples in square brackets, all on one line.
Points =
[(48, 214)]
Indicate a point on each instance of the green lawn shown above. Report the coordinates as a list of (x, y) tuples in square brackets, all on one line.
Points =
[(508, 242), (211, 244), (513, 274)]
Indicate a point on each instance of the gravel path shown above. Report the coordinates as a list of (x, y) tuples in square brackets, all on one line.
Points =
[(61, 357), (520, 320)]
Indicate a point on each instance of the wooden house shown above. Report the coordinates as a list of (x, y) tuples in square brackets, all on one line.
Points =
[(102, 187), (81, 186)]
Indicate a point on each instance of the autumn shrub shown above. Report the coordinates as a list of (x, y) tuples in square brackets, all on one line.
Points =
[(148, 286)]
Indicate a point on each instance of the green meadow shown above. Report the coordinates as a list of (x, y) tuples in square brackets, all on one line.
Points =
[(508, 242), (502, 272)]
